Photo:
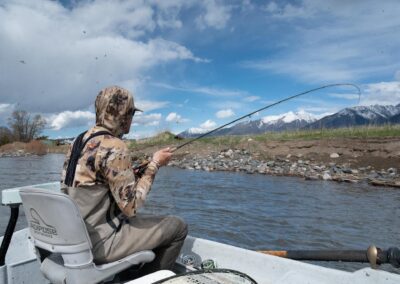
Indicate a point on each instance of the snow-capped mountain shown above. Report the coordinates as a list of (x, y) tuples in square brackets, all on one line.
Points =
[(289, 117), (359, 115), (192, 132), (355, 116), (286, 121)]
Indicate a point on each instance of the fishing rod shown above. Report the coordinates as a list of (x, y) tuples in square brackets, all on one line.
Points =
[(139, 169), (267, 107), (375, 256)]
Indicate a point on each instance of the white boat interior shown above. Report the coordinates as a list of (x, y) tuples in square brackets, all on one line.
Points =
[(75, 264)]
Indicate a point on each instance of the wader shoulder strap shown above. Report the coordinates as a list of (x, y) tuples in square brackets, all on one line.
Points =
[(77, 148)]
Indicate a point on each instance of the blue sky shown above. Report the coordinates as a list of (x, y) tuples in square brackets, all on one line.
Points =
[(194, 64)]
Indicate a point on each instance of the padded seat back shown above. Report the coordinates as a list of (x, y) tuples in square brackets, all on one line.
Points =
[(55, 222), (56, 225)]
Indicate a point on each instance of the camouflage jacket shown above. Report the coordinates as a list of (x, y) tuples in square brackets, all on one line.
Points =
[(105, 160)]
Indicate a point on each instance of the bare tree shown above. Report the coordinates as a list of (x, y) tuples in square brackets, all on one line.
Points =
[(24, 127), (5, 135)]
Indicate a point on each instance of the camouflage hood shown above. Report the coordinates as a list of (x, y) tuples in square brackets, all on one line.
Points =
[(114, 110)]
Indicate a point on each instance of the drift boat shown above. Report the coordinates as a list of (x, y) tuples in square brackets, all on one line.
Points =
[(56, 249)]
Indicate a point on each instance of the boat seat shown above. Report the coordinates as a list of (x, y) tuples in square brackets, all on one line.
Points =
[(56, 225)]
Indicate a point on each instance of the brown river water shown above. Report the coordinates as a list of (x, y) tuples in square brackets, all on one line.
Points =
[(251, 211)]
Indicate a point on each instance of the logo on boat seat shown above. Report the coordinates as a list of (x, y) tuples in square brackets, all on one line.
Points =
[(40, 227)]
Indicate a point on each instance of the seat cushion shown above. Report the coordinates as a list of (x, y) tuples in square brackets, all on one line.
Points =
[(133, 259), (53, 268)]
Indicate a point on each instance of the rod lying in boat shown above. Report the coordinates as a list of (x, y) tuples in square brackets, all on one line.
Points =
[(375, 256), (140, 168)]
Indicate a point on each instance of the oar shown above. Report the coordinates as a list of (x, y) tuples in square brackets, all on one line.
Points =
[(375, 256)]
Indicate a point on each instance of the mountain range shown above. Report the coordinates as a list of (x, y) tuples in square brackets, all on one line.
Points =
[(348, 117)]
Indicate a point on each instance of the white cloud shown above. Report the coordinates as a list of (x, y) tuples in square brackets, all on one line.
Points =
[(204, 127), (225, 113), (216, 15), (65, 56), (152, 119), (147, 105), (218, 92), (174, 117), (290, 11), (67, 119), (6, 107), (227, 104), (326, 41), (397, 75), (345, 96), (5, 113), (271, 7), (270, 118), (384, 93), (317, 111), (247, 5), (168, 13), (208, 124), (251, 99)]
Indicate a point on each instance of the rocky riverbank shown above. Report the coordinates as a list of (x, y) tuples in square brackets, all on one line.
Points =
[(20, 149), (375, 160), (240, 160), (33, 148), (18, 153)]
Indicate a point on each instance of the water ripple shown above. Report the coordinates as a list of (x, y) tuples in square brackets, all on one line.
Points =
[(252, 211)]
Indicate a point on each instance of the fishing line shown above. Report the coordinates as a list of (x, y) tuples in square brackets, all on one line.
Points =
[(141, 167), (269, 106)]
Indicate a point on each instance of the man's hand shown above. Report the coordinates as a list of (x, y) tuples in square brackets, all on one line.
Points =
[(163, 156)]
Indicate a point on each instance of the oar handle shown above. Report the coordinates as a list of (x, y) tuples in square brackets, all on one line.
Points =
[(393, 256), (323, 255), (375, 256)]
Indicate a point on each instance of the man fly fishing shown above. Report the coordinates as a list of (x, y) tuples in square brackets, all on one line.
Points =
[(98, 175)]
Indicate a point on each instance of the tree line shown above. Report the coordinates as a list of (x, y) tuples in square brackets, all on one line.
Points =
[(22, 126)]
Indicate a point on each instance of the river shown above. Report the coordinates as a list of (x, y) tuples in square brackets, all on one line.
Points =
[(251, 211)]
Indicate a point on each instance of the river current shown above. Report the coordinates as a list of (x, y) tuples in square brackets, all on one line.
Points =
[(251, 211)]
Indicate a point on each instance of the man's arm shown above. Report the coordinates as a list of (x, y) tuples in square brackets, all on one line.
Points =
[(115, 166)]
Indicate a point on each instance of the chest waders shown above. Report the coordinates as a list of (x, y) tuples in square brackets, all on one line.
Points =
[(76, 152)]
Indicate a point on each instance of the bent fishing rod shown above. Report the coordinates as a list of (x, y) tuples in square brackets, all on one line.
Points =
[(139, 169)]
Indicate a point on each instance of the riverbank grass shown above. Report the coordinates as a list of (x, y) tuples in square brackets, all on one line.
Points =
[(167, 138), (161, 139), (324, 133)]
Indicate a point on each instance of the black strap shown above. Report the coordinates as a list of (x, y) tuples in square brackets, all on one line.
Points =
[(117, 212), (77, 148)]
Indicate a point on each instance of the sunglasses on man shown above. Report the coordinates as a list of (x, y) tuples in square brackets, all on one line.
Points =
[(135, 110)]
